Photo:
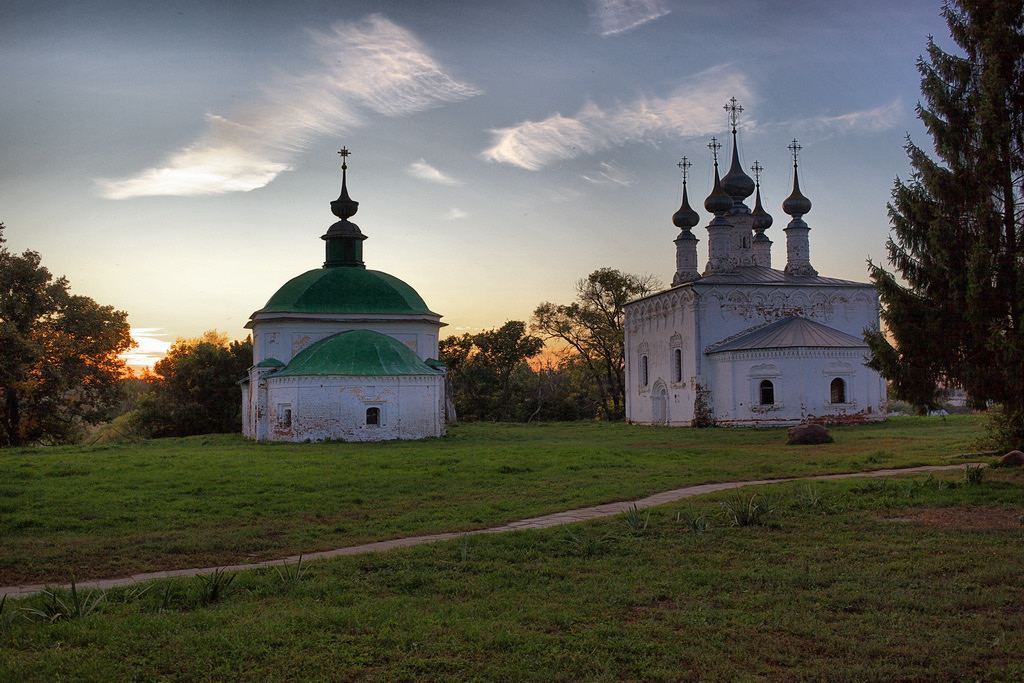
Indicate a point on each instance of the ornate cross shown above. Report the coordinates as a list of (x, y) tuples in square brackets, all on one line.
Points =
[(343, 153), (795, 149), (714, 146), (684, 166), (757, 168), (734, 109)]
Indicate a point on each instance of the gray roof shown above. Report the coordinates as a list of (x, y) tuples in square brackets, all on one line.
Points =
[(789, 333), (757, 275)]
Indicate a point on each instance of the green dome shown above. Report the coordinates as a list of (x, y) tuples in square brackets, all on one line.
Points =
[(346, 290), (357, 353)]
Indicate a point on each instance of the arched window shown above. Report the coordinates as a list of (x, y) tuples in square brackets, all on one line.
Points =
[(372, 417), (838, 390), (643, 371), (767, 393), (677, 364)]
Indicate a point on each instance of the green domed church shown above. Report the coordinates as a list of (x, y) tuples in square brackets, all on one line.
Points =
[(343, 352)]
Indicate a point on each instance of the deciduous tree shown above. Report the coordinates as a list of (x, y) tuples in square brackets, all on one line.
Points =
[(593, 326), (60, 363)]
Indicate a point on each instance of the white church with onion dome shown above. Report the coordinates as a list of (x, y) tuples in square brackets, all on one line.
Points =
[(342, 352), (741, 342)]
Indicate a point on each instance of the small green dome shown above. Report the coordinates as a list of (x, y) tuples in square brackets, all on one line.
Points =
[(346, 290), (357, 353)]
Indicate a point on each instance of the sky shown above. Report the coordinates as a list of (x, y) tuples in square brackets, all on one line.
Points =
[(177, 159)]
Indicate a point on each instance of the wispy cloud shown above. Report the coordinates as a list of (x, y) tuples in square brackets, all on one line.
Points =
[(368, 67), (876, 120), (610, 173), (151, 347), (424, 171), (693, 108), (617, 16), (454, 214)]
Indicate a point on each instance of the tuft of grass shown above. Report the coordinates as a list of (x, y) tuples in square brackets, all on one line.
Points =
[(697, 524), (743, 510), (57, 605), (291, 574), (583, 544), (214, 587), (974, 475), (635, 520)]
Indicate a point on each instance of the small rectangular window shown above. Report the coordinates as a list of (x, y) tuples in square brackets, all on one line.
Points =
[(373, 417), (643, 371), (284, 415), (677, 364)]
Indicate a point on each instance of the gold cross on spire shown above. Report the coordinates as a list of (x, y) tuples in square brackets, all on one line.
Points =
[(734, 109), (757, 168), (714, 146), (684, 166), (795, 149)]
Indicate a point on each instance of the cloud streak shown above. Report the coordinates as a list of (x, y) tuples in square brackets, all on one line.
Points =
[(610, 173), (875, 120), (454, 214), (424, 171), (365, 68), (618, 16), (693, 108)]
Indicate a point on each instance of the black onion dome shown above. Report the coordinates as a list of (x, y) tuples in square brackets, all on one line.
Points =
[(736, 182), (685, 218), (719, 201), (762, 219), (796, 204), (344, 207)]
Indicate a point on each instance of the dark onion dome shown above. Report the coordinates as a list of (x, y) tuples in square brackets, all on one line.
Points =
[(736, 182), (718, 202), (685, 218), (357, 353), (796, 204), (762, 219)]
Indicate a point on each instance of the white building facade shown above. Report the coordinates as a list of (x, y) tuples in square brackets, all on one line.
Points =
[(342, 352), (742, 343)]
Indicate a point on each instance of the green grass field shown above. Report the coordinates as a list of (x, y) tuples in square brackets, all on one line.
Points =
[(117, 510), (904, 579)]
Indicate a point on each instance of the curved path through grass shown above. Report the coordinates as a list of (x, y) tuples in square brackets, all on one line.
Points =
[(120, 510), (541, 522)]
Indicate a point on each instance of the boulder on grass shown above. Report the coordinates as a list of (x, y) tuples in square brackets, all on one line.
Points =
[(1012, 459), (809, 435)]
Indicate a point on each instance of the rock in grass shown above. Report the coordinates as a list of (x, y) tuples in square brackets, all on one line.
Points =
[(1012, 459), (809, 435)]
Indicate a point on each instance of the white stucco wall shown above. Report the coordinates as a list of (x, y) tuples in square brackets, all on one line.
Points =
[(695, 316), (411, 407)]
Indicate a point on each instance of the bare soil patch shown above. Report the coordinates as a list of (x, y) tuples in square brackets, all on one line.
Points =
[(959, 517)]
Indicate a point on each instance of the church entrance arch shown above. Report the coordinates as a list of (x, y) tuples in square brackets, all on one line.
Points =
[(659, 404)]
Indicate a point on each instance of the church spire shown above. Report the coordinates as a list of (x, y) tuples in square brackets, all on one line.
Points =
[(686, 244), (762, 220), (344, 207), (719, 229), (344, 239), (718, 202), (736, 182), (798, 245)]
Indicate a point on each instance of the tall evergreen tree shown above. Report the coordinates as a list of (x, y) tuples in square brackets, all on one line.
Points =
[(957, 223)]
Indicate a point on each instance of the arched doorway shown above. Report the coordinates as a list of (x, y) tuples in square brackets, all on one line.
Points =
[(659, 404)]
